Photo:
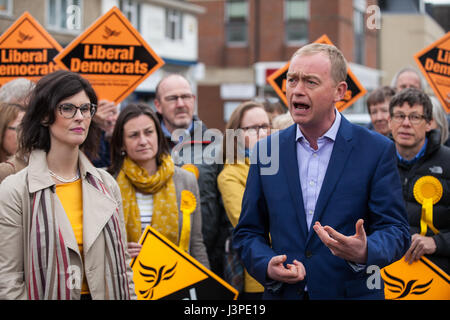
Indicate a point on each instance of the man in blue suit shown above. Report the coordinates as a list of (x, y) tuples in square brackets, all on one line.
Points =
[(334, 207)]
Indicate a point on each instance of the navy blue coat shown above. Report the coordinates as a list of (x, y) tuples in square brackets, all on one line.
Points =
[(361, 181)]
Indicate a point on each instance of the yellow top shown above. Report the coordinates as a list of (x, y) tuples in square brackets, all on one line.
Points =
[(70, 195), (231, 183)]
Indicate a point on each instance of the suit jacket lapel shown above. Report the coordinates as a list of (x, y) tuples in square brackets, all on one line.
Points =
[(288, 148), (341, 151)]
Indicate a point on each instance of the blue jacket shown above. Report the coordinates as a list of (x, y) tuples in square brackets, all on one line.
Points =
[(361, 181)]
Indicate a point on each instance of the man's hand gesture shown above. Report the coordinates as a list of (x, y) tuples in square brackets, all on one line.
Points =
[(351, 248), (292, 273)]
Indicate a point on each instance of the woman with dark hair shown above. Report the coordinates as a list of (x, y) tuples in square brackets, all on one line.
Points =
[(151, 185), (62, 234)]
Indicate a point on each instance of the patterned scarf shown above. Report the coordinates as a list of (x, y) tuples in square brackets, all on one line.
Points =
[(49, 262), (161, 185)]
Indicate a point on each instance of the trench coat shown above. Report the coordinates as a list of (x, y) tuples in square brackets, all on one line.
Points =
[(98, 207)]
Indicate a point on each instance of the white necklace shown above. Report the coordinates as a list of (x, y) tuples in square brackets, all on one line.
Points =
[(54, 175)]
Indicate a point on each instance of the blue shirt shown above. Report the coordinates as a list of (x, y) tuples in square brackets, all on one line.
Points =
[(167, 133), (416, 158), (313, 164)]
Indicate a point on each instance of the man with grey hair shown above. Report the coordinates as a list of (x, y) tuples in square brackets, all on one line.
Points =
[(408, 77), (335, 207), (16, 91)]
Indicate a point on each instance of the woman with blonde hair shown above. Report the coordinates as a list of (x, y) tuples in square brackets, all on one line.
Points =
[(248, 123), (9, 125)]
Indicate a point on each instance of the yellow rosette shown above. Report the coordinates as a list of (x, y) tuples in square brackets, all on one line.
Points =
[(427, 191), (191, 168), (187, 206)]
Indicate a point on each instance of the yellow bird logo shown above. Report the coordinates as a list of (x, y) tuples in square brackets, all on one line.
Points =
[(155, 277)]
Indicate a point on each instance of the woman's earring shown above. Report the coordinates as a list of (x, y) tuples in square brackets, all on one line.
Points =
[(123, 153)]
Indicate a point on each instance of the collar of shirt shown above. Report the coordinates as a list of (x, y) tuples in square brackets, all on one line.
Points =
[(167, 133), (330, 134), (416, 158)]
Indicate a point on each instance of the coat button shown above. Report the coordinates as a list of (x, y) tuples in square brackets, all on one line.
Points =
[(308, 254)]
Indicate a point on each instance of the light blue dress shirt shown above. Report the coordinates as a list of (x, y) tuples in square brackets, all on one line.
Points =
[(313, 164)]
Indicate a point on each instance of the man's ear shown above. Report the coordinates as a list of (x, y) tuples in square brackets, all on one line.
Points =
[(430, 125), (340, 91), (157, 105)]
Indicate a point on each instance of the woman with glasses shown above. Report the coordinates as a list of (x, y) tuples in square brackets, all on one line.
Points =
[(9, 123), (249, 122), (62, 234)]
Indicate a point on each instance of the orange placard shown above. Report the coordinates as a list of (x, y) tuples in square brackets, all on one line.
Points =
[(164, 271), (355, 90), (421, 280), (112, 55), (434, 62), (27, 51)]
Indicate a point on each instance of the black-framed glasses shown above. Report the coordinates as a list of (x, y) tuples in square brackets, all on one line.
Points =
[(185, 97), (68, 110), (414, 118), (254, 130)]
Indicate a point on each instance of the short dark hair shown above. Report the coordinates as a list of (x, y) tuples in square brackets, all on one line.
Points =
[(413, 97), (132, 111), (49, 91), (379, 95)]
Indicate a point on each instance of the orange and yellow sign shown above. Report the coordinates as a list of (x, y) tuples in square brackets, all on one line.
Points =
[(434, 62), (355, 90), (27, 51), (421, 280), (164, 271), (112, 55)]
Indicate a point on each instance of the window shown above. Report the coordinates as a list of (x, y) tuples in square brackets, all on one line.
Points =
[(6, 7), (236, 12), (131, 9), (296, 13), (174, 24), (359, 7), (64, 14)]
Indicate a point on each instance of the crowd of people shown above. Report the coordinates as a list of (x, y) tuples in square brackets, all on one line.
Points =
[(81, 180)]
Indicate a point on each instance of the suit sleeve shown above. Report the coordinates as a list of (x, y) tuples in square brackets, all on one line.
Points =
[(389, 236), (251, 235)]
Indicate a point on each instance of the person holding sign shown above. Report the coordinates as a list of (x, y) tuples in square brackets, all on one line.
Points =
[(62, 234), (424, 166), (334, 207), (150, 183)]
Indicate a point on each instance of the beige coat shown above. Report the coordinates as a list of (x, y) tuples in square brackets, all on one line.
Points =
[(15, 210)]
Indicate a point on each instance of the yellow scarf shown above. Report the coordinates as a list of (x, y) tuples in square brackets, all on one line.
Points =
[(161, 185)]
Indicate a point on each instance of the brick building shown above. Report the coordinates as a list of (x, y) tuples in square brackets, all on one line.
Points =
[(242, 41)]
